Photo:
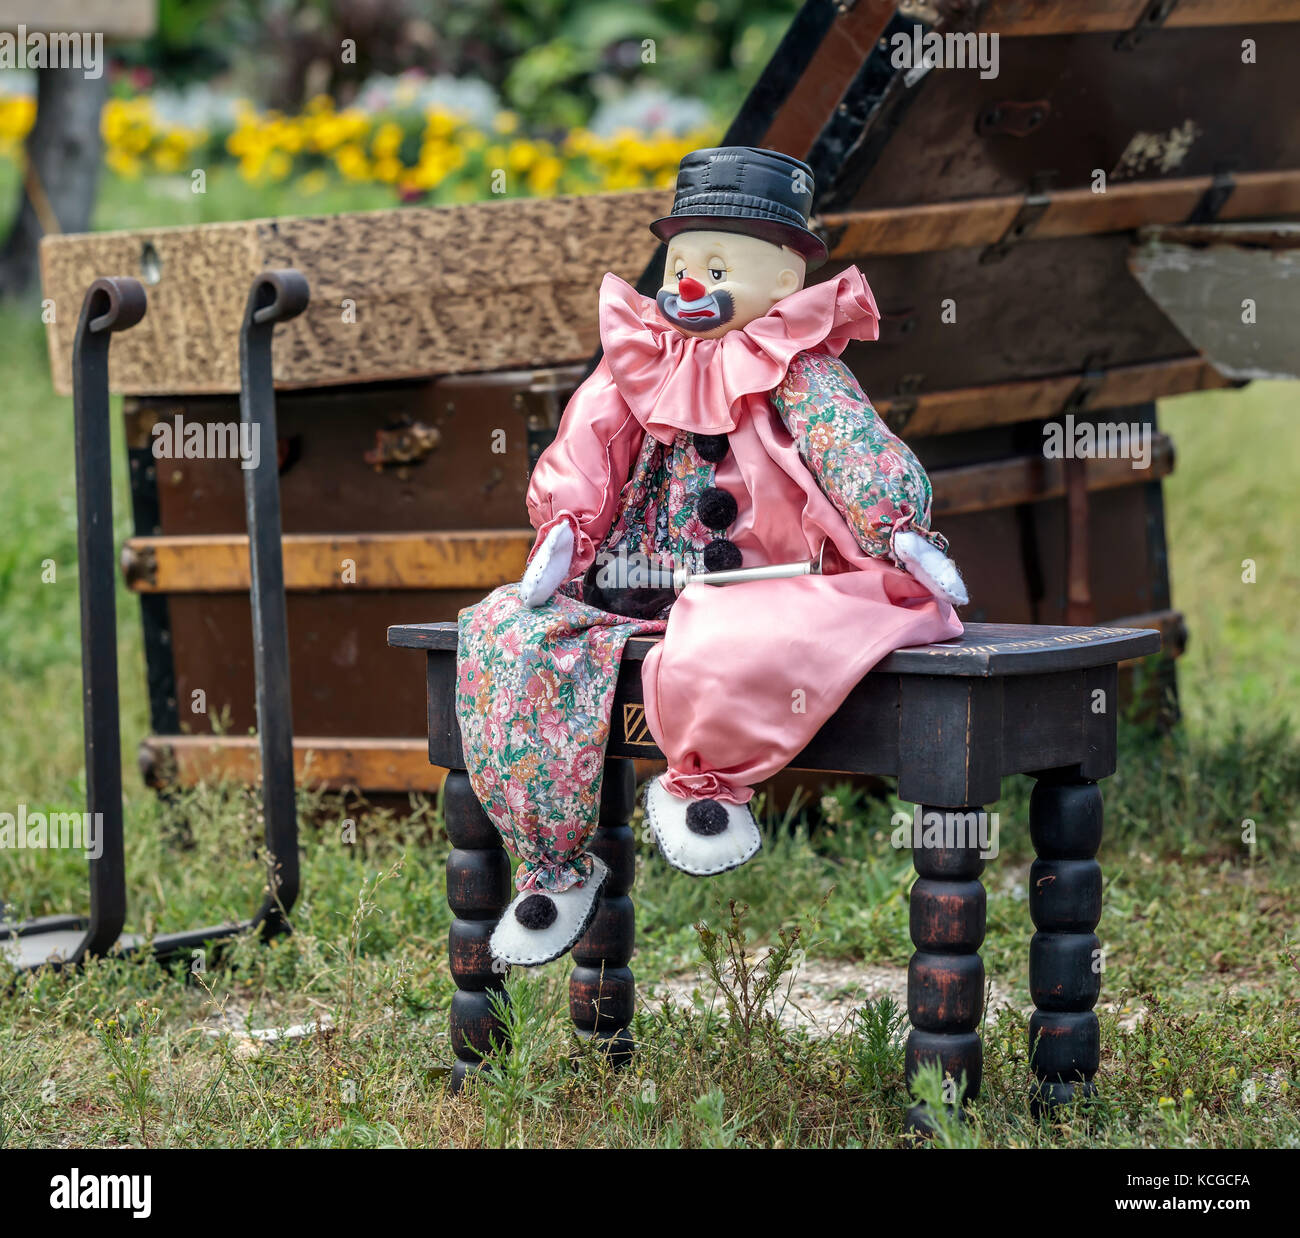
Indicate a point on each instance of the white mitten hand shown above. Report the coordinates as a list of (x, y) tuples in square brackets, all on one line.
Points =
[(549, 568), (931, 567)]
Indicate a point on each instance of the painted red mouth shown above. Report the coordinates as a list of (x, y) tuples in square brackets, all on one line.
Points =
[(703, 313)]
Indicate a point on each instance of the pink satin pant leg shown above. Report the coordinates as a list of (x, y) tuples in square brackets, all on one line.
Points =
[(747, 674)]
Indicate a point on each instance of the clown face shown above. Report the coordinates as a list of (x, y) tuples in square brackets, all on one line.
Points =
[(715, 282)]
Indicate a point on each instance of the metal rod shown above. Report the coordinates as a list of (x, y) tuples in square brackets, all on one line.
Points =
[(742, 575), (110, 305), (275, 296)]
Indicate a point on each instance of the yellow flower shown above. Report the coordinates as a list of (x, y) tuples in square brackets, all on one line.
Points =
[(351, 160), (439, 123), (505, 122), (545, 175), (387, 140), (387, 169), (123, 163), (521, 156)]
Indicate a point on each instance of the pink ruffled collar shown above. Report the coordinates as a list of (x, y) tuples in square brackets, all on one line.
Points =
[(673, 383)]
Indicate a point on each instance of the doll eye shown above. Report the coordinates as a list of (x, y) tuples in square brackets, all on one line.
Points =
[(716, 273)]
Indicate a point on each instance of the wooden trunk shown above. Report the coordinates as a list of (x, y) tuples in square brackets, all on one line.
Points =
[(995, 218)]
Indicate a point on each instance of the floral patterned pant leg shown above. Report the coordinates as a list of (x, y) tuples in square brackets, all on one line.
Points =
[(534, 691)]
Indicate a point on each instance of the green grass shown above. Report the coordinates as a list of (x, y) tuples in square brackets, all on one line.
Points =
[(1200, 990)]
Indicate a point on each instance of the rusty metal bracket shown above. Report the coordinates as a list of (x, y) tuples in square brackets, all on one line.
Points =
[(404, 444), (1026, 220), (1214, 199), (1090, 382), (139, 566), (1151, 18), (1012, 118)]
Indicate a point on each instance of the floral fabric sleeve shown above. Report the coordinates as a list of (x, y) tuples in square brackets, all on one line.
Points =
[(867, 472)]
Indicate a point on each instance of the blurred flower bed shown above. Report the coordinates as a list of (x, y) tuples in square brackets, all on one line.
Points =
[(426, 139)]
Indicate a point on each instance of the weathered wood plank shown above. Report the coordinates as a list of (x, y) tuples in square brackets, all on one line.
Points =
[(832, 68), (1017, 18), (1032, 479), (469, 559), (335, 764), (395, 294), (967, 408), (1124, 206), (218, 563)]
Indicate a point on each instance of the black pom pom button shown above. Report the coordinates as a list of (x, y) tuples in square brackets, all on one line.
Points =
[(721, 555), (717, 508), (711, 447), (706, 817), (536, 912)]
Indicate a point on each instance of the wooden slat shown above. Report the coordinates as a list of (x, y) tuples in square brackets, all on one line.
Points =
[(114, 19), (332, 763), (1018, 18), (1074, 212), (218, 563), (984, 650), (1169, 623), (830, 72), (966, 408), (394, 294), (1032, 479)]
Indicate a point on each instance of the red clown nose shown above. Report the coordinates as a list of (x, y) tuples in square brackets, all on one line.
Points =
[(690, 289)]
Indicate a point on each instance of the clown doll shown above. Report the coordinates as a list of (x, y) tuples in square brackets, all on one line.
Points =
[(720, 433)]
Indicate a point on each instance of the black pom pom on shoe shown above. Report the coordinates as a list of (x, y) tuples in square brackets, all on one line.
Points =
[(721, 555), (716, 508), (537, 911), (711, 447), (706, 817)]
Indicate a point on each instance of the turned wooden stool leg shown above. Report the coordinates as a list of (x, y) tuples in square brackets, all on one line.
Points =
[(1065, 821), (945, 978), (478, 889), (602, 992)]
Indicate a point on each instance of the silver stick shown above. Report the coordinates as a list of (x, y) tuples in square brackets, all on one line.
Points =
[(773, 571)]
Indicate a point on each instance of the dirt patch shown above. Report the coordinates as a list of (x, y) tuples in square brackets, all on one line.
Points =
[(821, 997)]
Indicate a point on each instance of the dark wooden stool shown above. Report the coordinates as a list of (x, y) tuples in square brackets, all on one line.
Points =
[(948, 721)]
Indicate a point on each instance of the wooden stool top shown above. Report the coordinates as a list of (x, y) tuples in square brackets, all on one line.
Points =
[(984, 650), (948, 720)]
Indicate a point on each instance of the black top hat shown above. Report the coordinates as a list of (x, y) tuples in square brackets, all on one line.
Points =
[(743, 189)]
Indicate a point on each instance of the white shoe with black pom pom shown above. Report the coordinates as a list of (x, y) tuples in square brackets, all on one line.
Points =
[(702, 837), (538, 926)]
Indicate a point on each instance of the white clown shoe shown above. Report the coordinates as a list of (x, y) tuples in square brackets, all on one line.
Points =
[(538, 926), (702, 837)]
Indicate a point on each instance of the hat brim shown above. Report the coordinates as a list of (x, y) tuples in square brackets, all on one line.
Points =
[(808, 245)]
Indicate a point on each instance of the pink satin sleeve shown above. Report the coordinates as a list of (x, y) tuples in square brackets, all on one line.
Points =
[(579, 477)]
